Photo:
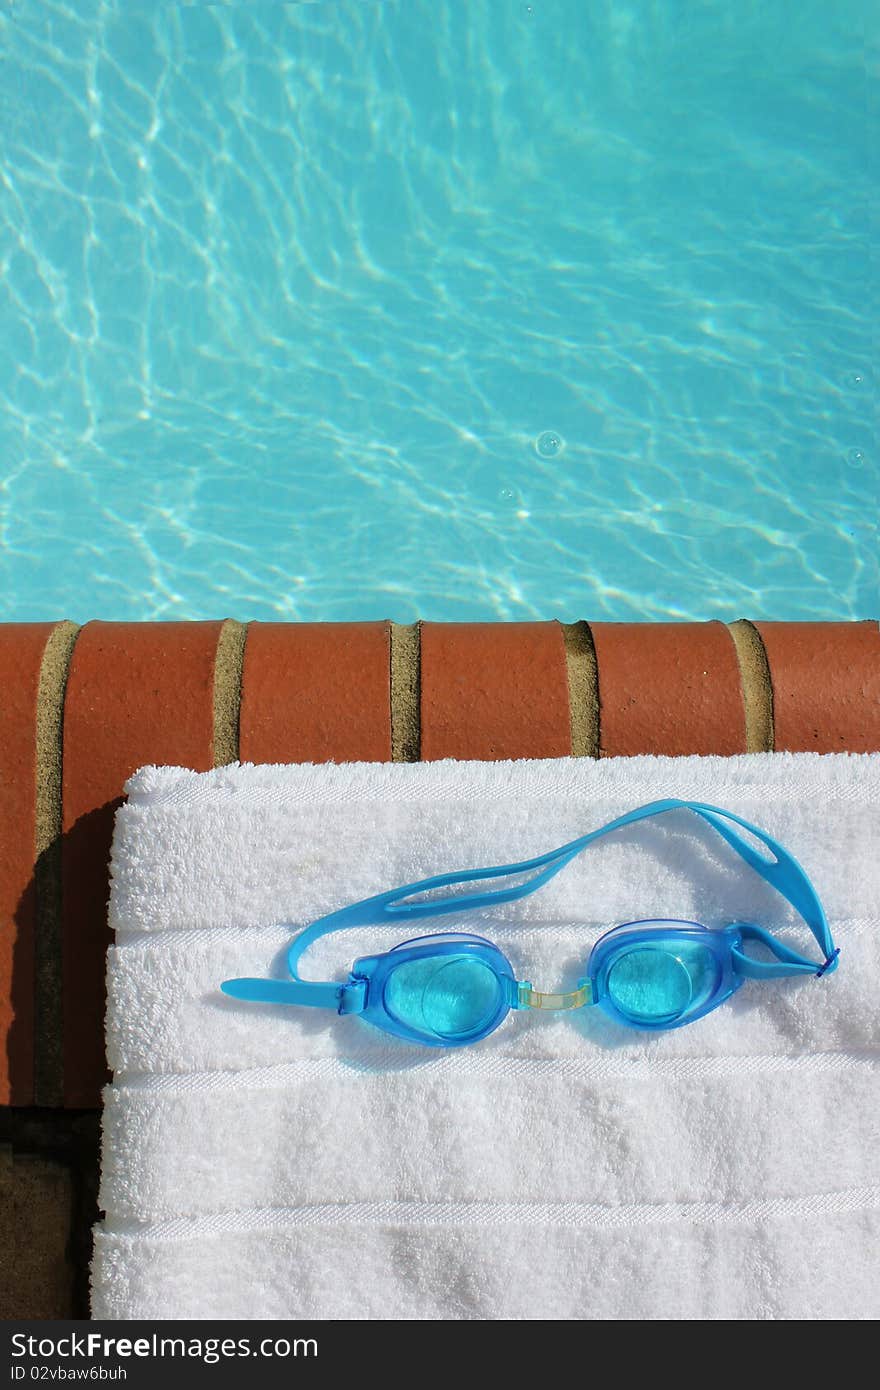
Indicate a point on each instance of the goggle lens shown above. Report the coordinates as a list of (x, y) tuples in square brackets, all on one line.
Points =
[(656, 984), (444, 996)]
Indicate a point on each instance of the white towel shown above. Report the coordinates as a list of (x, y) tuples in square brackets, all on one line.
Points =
[(270, 1162)]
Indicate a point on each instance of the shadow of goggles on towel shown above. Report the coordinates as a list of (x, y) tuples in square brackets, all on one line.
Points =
[(453, 988)]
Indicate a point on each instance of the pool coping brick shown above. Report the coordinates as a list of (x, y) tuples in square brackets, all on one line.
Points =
[(668, 688), (316, 692), (493, 691), (826, 685)]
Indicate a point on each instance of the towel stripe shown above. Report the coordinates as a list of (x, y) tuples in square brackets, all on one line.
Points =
[(512, 931), (580, 1214), (180, 790), (465, 1064)]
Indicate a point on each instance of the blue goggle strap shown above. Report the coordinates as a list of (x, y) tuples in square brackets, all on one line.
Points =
[(781, 871), (263, 991), (788, 877)]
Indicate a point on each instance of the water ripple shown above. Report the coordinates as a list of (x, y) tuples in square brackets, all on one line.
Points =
[(290, 296)]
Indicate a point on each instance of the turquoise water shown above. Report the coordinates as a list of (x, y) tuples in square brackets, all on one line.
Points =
[(465, 309)]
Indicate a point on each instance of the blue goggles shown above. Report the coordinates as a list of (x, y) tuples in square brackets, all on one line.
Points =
[(453, 988)]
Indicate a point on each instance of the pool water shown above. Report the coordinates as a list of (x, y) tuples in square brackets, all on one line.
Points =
[(460, 309)]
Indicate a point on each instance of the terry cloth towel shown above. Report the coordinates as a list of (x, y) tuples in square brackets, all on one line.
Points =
[(270, 1162)]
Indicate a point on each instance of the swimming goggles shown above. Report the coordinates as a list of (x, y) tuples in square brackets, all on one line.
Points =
[(453, 988)]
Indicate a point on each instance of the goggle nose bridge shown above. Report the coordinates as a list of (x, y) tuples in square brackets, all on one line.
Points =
[(529, 998)]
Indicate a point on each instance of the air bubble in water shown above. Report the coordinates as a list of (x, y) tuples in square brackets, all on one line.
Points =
[(549, 444), (856, 458)]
